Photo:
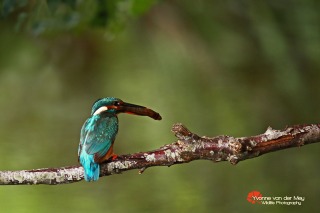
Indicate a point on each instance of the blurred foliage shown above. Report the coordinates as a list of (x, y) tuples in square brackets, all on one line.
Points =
[(220, 67), (53, 16)]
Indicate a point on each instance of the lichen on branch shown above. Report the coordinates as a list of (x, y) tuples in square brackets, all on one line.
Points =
[(188, 147)]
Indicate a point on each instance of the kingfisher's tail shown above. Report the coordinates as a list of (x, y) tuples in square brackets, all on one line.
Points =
[(91, 169)]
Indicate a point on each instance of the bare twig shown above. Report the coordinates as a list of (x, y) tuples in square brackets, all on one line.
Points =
[(188, 147)]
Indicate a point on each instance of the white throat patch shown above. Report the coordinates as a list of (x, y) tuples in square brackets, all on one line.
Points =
[(101, 109)]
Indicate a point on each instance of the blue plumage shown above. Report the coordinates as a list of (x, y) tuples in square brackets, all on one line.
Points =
[(97, 136), (99, 132), (91, 169)]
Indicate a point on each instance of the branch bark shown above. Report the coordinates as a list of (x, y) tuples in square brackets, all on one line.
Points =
[(188, 147)]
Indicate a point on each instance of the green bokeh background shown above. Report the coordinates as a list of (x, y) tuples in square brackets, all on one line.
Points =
[(219, 67)]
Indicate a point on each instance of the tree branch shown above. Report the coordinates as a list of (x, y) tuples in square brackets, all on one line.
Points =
[(188, 147)]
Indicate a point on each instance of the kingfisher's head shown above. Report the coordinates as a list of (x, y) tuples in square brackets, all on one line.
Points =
[(115, 105)]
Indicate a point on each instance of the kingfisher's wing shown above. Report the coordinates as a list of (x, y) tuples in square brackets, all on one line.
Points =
[(97, 135)]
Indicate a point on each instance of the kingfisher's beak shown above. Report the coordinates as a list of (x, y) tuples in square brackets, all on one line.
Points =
[(138, 110)]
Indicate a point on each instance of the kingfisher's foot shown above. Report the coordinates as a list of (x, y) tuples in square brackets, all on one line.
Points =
[(108, 158), (113, 156)]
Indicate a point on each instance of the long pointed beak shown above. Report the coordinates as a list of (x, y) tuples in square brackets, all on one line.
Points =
[(138, 110)]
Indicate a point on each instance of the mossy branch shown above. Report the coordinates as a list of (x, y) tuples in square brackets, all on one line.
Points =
[(188, 147)]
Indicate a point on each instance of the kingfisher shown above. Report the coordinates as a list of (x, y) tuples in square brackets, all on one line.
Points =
[(99, 131)]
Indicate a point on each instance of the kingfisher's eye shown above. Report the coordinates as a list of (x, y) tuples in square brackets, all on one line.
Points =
[(116, 103)]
